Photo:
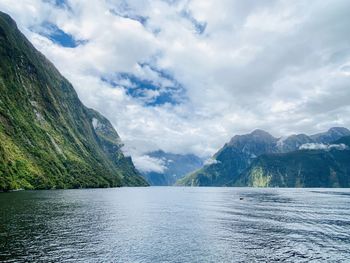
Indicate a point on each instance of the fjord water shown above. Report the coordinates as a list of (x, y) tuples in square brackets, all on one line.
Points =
[(174, 224)]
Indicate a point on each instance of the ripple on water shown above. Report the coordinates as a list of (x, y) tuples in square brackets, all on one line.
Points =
[(164, 224)]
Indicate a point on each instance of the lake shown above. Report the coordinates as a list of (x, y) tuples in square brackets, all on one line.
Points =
[(175, 224)]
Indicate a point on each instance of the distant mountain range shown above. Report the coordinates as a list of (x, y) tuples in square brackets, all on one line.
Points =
[(259, 159), (176, 166), (48, 138)]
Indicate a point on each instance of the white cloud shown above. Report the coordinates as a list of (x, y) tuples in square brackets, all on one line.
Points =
[(325, 147), (148, 164), (211, 161), (278, 65)]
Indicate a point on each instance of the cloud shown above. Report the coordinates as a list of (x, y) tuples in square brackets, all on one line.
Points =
[(185, 76), (325, 147), (148, 164), (211, 161)]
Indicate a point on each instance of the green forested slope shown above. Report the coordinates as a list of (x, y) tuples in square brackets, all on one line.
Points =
[(48, 138), (304, 168)]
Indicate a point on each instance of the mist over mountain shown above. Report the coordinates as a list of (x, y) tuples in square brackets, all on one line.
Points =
[(175, 166)]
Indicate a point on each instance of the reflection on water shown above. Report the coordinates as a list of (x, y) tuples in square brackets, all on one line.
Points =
[(173, 224)]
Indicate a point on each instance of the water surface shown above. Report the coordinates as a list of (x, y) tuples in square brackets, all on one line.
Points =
[(174, 224)]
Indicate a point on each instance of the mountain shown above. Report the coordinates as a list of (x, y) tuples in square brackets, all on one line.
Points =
[(48, 138), (293, 142), (344, 140), (176, 166), (331, 135), (304, 168), (232, 159), (238, 155)]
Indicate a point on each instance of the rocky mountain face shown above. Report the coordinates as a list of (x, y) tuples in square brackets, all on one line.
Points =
[(304, 168), (331, 135), (243, 151), (48, 138), (344, 140), (176, 166), (232, 159), (292, 143)]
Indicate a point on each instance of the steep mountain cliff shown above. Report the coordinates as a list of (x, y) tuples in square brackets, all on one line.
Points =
[(292, 143), (331, 135), (232, 159), (305, 168), (48, 138), (238, 155)]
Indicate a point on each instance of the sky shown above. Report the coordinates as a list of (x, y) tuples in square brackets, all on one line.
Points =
[(185, 76)]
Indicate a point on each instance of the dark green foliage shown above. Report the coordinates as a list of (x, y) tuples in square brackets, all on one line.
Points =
[(47, 137), (306, 168)]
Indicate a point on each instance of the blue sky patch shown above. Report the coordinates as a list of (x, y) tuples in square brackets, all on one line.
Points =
[(123, 10), (141, 19), (57, 35), (58, 3), (198, 26), (148, 91)]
